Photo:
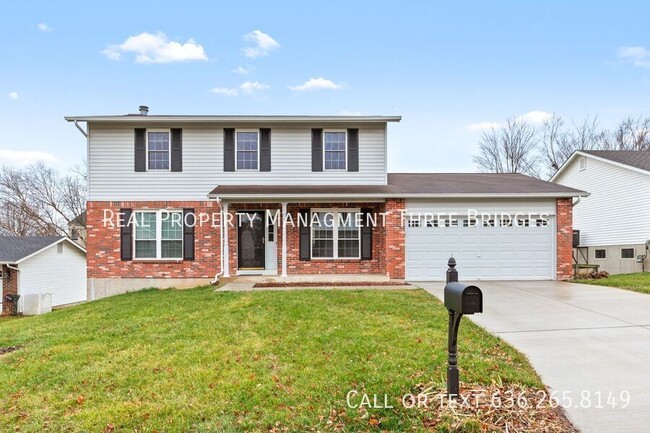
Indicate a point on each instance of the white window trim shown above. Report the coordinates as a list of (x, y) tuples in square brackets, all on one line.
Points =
[(628, 258), (257, 131), (600, 258), (335, 236), (582, 163), (169, 151), (158, 257), (325, 131)]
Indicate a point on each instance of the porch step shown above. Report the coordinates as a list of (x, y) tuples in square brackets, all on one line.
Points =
[(317, 278)]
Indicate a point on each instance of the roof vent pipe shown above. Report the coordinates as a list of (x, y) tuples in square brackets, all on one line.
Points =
[(144, 110)]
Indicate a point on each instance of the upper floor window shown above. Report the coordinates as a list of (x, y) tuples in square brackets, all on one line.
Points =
[(335, 149), (247, 149), (158, 150)]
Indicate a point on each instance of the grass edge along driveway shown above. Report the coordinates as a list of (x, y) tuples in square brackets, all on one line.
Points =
[(196, 360), (637, 282)]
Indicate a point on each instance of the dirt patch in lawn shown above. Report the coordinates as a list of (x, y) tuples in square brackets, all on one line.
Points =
[(333, 284), (9, 349)]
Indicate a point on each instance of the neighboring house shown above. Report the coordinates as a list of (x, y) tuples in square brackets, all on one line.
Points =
[(42, 264), (614, 221), (143, 166), (77, 229)]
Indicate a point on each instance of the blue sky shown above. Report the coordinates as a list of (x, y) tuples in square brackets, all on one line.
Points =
[(450, 69)]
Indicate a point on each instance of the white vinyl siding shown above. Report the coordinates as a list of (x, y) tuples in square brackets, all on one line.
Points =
[(63, 275), (617, 212), (112, 176)]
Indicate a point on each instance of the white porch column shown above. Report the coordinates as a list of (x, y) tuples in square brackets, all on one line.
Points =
[(284, 239), (225, 225)]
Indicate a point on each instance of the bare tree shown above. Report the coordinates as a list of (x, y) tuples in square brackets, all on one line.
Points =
[(631, 134), (509, 149), (37, 200), (559, 144)]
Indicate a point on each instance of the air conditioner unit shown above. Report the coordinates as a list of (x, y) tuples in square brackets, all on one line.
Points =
[(37, 303)]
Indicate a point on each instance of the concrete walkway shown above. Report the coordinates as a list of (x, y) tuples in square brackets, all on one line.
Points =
[(582, 339)]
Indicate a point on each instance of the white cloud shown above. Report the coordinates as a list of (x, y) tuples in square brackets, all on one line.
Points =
[(13, 95), (44, 27), (263, 44), (247, 87), (536, 117), (251, 87), (638, 56), (241, 70), (150, 48), (225, 91), (317, 83), (25, 157), (483, 126)]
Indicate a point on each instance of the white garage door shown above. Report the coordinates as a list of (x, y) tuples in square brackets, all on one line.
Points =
[(490, 250)]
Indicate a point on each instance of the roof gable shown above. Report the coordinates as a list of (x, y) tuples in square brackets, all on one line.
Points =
[(635, 160), (14, 249)]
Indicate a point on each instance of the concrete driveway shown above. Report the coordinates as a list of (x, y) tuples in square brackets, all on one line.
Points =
[(585, 341)]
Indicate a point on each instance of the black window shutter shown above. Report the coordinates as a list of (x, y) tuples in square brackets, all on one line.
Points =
[(189, 221), (353, 150), (177, 150), (126, 235), (316, 150), (140, 149), (265, 149), (366, 235), (228, 149), (305, 234)]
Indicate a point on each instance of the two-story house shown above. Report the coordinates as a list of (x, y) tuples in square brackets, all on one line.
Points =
[(212, 196), (614, 221)]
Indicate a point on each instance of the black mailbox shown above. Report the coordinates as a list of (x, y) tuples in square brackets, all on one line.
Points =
[(463, 298)]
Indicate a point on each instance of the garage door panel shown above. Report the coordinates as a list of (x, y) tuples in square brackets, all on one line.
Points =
[(481, 252)]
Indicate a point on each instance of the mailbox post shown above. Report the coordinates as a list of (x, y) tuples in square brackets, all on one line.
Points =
[(460, 299)]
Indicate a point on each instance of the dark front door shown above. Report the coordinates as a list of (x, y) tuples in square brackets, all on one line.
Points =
[(251, 240)]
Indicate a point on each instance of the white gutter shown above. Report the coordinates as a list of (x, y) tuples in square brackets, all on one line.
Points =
[(76, 123), (230, 119), (322, 196), (12, 268)]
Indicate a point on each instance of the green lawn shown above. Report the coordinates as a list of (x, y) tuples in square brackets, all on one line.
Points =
[(199, 361), (639, 282)]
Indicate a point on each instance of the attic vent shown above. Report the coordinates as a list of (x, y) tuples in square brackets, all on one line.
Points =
[(144, 110), (583, 163)]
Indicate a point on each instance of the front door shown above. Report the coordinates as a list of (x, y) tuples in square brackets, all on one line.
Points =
[(251, 240)]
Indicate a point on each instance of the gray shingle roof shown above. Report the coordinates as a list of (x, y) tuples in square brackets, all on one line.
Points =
[(14, 248), (634, 158), (418, 183)]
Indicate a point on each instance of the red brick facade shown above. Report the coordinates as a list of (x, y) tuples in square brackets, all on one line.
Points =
[(388, 242), (564, 215), (9, 287), (103, 245)]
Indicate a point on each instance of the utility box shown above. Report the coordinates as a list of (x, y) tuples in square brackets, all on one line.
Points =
[(463, 298), (37, 303)]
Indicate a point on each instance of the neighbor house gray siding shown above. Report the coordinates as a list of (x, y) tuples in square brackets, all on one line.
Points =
[(113, 178)]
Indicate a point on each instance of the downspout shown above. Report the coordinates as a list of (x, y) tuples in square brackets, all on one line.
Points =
[(576, 202), (220, 273), (76, 123), (12, 268)]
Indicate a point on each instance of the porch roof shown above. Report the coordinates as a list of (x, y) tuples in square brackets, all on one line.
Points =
[(408, 185)]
